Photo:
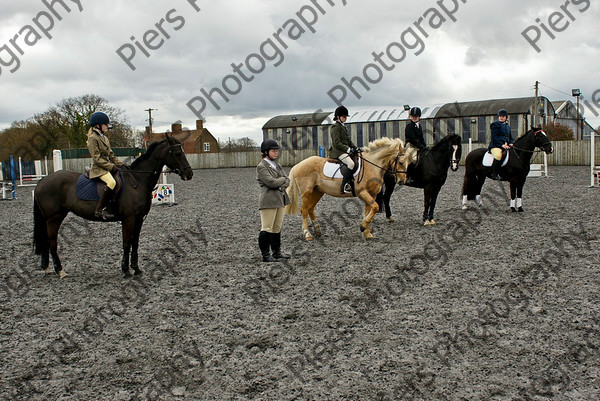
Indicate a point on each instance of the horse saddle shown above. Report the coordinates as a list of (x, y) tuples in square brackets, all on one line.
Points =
[(332, 168), (488, 159), (90, 189)]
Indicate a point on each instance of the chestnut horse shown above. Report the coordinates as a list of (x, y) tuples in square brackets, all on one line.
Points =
[(308, 181)]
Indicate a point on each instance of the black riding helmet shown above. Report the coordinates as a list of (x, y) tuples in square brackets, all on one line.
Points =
[(99, 118), (415, 112), (267, 145), (340, 112), (502, 112)]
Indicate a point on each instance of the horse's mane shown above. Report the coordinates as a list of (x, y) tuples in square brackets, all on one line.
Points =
[(443, 142), (384, 147), (146, 155)]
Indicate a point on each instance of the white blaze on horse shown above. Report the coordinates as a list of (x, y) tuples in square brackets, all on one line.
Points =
[(308, 181)]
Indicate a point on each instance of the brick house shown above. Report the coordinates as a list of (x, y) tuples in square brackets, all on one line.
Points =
[(198, 140)]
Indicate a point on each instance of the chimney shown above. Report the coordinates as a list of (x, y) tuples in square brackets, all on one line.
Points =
[(199, 125), (176, 128), (147, 130)]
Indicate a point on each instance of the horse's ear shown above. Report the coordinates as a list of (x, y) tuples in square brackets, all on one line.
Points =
[(169, 137)]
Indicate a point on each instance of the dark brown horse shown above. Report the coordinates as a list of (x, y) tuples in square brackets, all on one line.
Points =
[(55, 197)]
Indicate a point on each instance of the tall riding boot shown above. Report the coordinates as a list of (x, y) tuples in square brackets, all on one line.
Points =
[(495, 169), (276, 246), (101, 210), (347, 182), (264, 243)]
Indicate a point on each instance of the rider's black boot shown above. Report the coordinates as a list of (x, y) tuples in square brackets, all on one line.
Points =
[(495, 169), (276, 246), (101, 209), (264, 243)]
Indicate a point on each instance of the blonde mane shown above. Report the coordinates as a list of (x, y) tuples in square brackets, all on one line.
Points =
[(384, 147)]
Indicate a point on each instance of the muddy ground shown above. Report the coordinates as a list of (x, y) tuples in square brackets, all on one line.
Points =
[(487, 305)]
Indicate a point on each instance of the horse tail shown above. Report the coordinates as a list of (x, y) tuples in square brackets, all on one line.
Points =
[(292, 191), (40, 232)]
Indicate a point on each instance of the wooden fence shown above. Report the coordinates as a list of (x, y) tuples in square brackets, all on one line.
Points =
[(566, 153)]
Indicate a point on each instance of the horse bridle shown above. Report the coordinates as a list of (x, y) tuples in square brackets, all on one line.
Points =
[(548, 142), (187, 165), (394, 171), (176, 171)]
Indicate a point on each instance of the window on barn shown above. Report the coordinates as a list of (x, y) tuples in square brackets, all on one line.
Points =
[(206, 146)]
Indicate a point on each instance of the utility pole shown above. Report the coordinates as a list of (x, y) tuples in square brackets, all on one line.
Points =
[(149, 110)]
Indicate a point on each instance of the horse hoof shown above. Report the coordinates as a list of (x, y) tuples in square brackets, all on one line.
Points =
[(520, 210), (309, 237), (127, 274), (49, 271), (426, 223), (391, 219), (362, 228), (62, 274), (369, 236), (432, 222), (465, 207), (138, 272), (512, 209)]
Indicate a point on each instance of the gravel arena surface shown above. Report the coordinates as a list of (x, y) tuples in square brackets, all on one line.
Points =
[(486, 305)]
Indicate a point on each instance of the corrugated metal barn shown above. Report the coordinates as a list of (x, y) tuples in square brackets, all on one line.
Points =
[(467, 119)]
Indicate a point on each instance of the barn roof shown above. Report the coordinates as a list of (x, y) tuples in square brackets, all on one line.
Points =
[(521, 105), (302, 120)]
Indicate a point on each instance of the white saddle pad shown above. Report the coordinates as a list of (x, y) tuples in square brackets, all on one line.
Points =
[(332, 170), (488, 159)]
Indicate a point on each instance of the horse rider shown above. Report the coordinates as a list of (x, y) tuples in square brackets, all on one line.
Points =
[(343, 149), (415, 143), (104, 163), (273, 182), (501, 140)]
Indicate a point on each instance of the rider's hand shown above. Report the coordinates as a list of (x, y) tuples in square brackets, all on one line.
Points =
[(114, 170)]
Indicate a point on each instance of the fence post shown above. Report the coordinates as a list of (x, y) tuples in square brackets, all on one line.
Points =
[(12, 174)]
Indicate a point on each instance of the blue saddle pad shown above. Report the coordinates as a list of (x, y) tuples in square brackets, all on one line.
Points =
[(86, 189)]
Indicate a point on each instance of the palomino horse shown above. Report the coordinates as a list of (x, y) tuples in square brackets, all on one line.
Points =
[(430, 174), (515, 171), (55, 197), (308, 181)]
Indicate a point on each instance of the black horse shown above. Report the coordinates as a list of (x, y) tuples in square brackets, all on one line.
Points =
[(55, 197), (515, 171), (430, 174)]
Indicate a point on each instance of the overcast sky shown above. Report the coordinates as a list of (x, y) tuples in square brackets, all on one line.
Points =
[(481, 55)]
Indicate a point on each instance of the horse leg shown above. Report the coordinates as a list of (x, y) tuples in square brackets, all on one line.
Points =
[(371, 209), (315, 198), (53, 226), (432, 201), (513, 196), (135, 241), (128, 227), (306, 206), (389, 190), (427, 194), (519, 204)]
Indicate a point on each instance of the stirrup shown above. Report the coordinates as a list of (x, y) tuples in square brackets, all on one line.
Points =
[(107, 215)]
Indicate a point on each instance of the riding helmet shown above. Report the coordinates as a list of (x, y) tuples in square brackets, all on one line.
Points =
[(503, 112), (340, 112), (415, 112), (268, 144), (99, 118)]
